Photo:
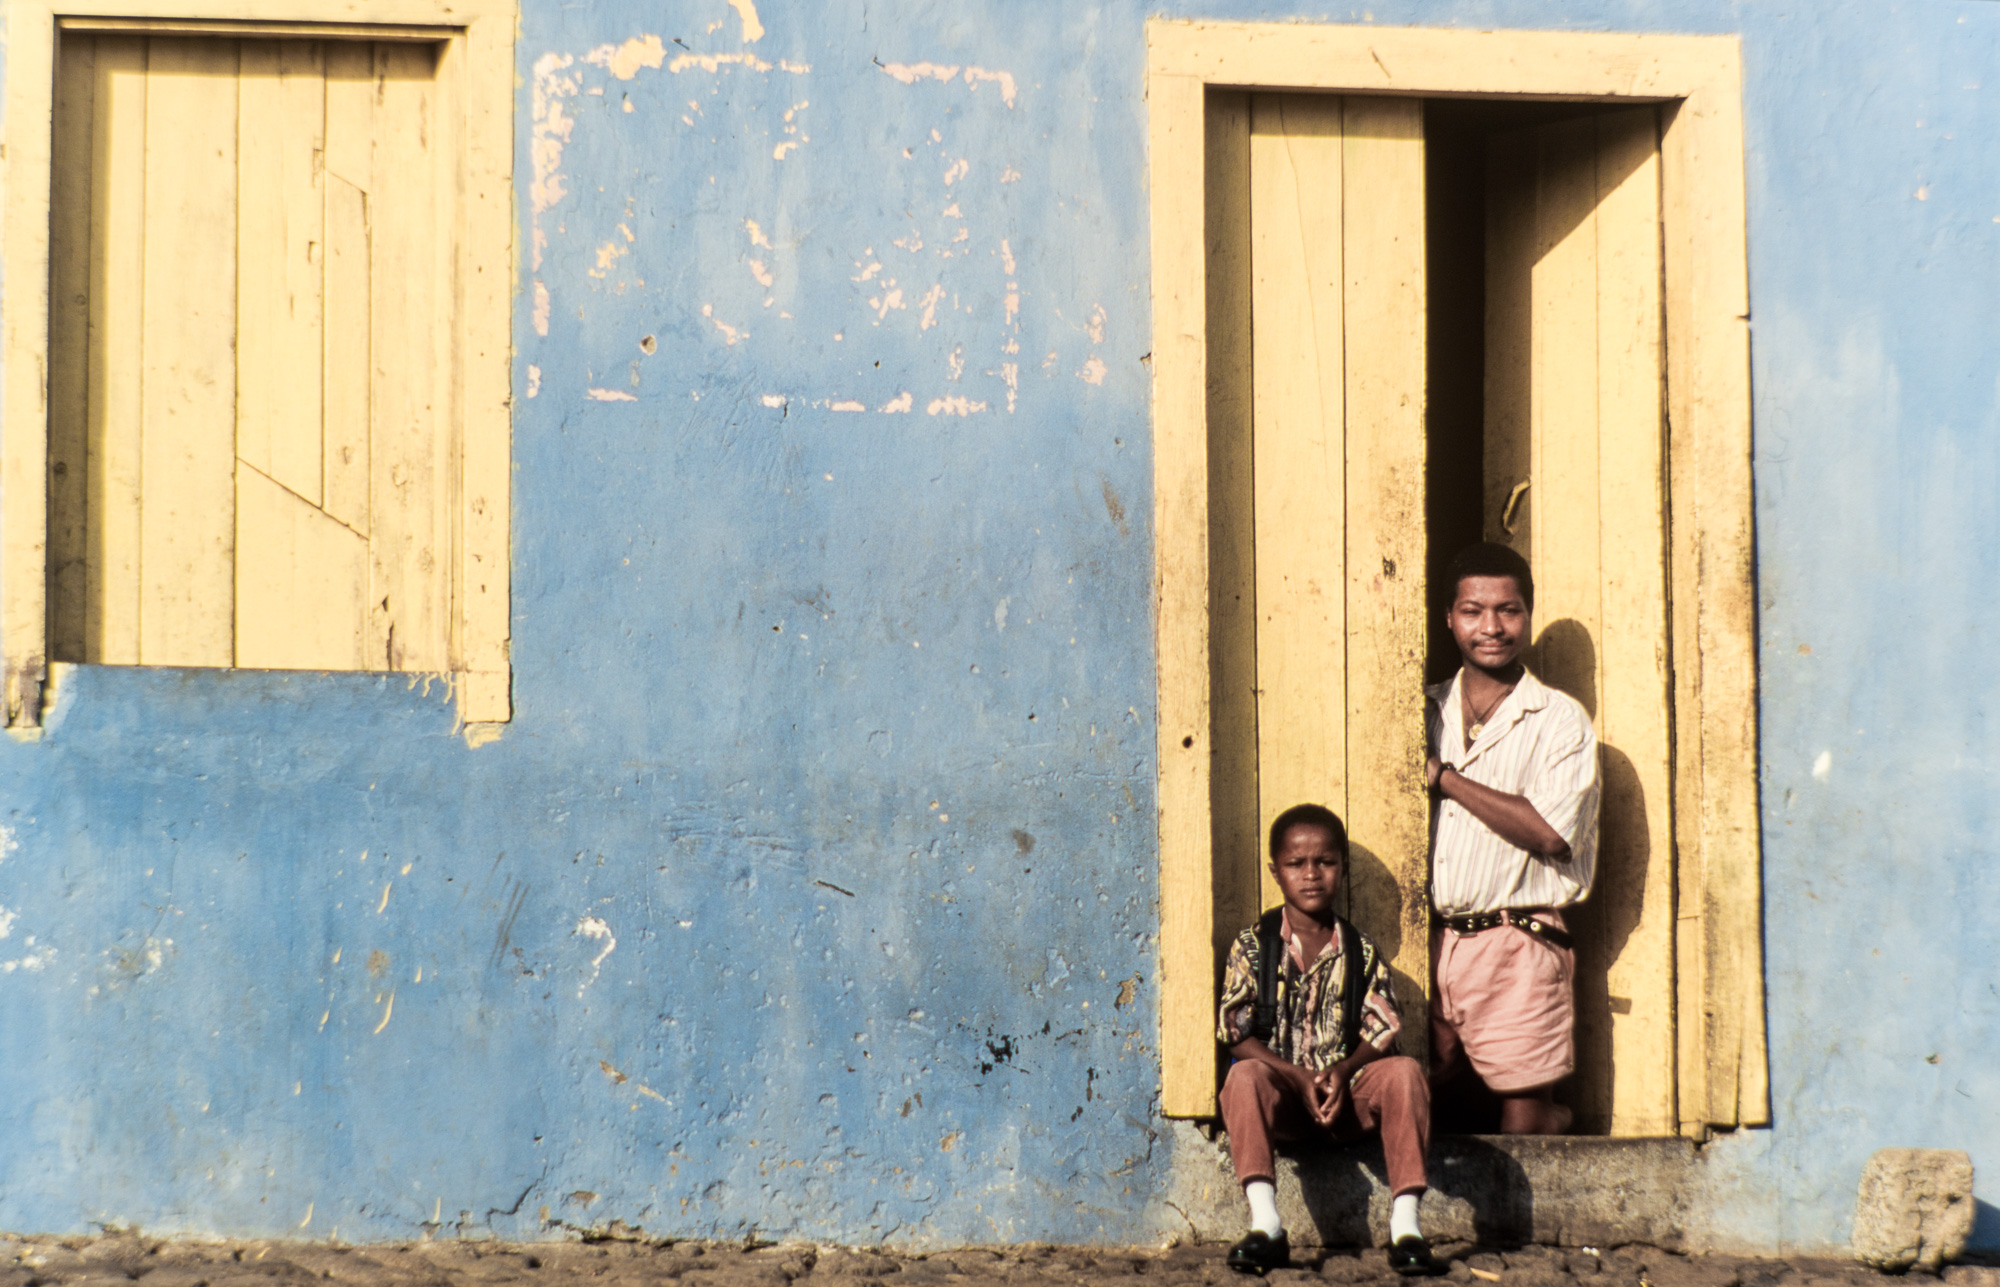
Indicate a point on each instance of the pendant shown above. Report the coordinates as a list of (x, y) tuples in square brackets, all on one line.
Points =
[(1476, 730)]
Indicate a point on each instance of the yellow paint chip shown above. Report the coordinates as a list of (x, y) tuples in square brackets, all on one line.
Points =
[(384, 904), (387, 1010), (617, 1078), (309, 1216), (753, 30), (624, 61)]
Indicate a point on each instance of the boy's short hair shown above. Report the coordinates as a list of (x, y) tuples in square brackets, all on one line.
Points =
[(1309, 815), (1487, 558)]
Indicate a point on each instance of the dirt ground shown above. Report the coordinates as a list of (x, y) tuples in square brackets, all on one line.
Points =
[(126, 1257)]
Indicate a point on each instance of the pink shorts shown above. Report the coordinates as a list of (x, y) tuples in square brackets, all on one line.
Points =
[(1507, 1000)]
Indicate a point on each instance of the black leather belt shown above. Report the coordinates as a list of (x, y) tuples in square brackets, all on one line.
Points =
[(1480, 922)]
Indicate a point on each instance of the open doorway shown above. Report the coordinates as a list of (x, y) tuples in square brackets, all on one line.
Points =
[(1300, 491), (1433, 322)]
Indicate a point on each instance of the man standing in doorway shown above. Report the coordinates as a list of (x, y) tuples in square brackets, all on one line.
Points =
[(1514, 776)]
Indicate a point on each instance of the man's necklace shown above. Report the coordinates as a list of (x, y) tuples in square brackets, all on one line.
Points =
[(1479, 718)]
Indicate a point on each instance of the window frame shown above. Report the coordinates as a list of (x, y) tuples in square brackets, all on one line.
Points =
[(477, 35), (1722, 1076)]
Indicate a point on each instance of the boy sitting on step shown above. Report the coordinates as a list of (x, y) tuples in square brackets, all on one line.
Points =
[(1310, 1016)]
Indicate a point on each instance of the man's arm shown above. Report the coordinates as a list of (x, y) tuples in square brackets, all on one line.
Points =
[(1509, 816)]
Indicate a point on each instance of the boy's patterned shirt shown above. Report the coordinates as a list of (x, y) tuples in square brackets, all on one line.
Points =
[(1309, 1022)]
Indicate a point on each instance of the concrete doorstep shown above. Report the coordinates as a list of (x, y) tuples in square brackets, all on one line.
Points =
[(1490, 1190)]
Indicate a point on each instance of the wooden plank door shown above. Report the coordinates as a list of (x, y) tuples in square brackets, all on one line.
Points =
[(1316, 216), (1574, 410)]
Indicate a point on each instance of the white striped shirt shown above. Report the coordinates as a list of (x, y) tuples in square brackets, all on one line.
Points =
[(1537, 743)]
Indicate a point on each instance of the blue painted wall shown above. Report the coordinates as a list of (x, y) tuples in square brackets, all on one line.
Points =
[(812, 890)]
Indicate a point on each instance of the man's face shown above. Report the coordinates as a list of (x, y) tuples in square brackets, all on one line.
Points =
[(1489, 621), (1308, 869)]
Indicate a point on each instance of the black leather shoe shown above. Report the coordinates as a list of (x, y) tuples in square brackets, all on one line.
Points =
[(1411, 1257), (1259, 1253)]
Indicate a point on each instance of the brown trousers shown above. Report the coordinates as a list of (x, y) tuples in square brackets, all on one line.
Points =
[(1391, 1096)]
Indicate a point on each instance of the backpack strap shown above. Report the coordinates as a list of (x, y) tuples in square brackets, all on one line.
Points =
[(1354, 988), (1270, 974), (1271, 979)]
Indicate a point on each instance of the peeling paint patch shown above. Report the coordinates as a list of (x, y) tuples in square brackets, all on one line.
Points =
[(847, 404), (550, 131), (1093, 371), (757, 237), (541, 310), (930, 303), (891, 298), (911, 73), (534, 378), (898, 404), (624, 61), (609, 395), (753, 30), (954, 407), (33, 962), (774, 400), (1005, 80), (7, 919), (761, 273), (594, 928), (730, 334), (956, 171), (607, 254), (716, 62)]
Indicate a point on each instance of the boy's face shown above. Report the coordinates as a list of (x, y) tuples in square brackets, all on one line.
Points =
[(1489, 621), (1308, 869)]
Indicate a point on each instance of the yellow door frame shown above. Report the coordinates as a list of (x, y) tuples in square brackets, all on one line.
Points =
[(478, 36), (1722, 1077)]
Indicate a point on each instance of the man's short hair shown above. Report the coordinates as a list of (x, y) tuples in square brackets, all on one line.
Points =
[(1486, 558), (1309, 815)]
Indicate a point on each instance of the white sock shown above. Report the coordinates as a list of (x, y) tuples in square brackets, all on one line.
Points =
[(1403, 1217), (1264, 1208)]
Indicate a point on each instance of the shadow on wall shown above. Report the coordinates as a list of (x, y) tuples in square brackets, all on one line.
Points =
[(1985, 1242)]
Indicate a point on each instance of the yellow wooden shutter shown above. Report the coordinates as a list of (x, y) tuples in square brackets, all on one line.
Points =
[(253, 466)]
